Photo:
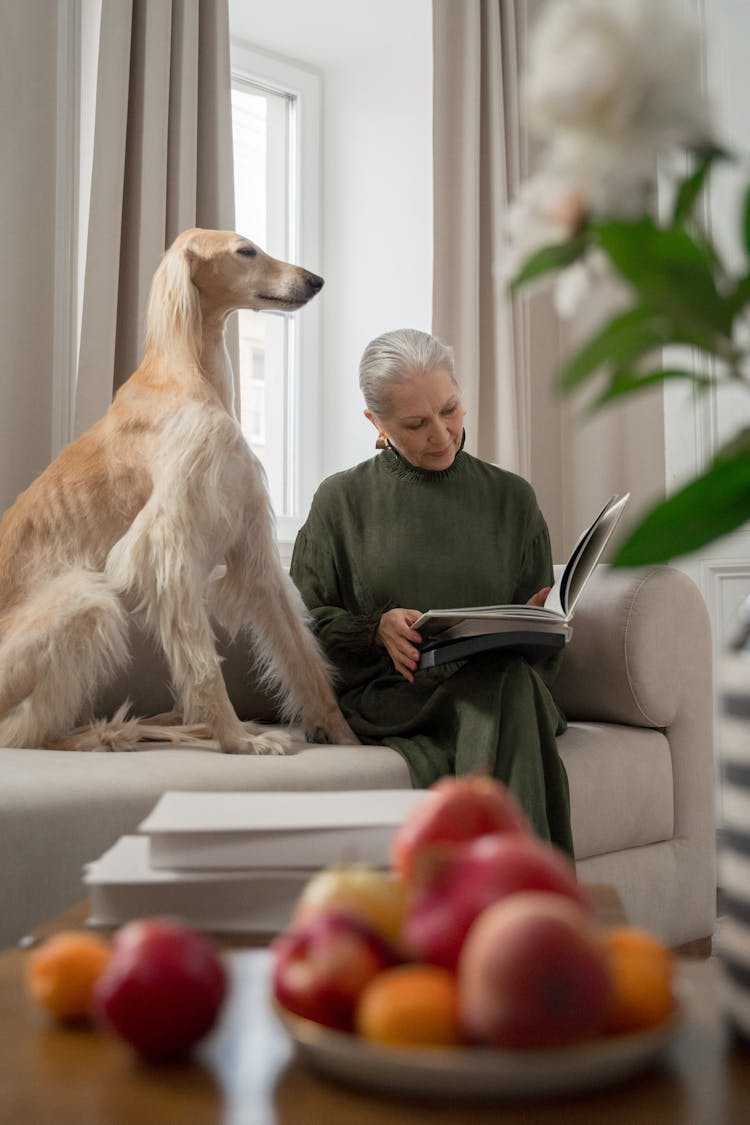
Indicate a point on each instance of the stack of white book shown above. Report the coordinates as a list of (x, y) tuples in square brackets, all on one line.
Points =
[(237, 862)]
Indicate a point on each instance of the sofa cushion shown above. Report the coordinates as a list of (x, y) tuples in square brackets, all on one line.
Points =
[(60, 810), (621, 787)]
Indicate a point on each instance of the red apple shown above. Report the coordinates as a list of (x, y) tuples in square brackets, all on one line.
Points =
[(454, 810), (321, 967), (162, 989), (533, 974), (456, 887)]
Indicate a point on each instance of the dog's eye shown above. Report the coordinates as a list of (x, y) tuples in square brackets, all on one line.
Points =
[(247, 251)]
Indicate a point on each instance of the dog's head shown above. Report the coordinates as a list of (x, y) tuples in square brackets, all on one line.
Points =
[(230, 272)]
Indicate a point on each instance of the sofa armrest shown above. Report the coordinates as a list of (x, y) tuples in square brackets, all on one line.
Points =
[(640, 649)]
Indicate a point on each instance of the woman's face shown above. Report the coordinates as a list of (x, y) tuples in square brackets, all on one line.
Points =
[(425, 419)]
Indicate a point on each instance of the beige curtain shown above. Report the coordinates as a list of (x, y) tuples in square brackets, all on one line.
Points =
[(156, 157), (509, 353), (477, 167)]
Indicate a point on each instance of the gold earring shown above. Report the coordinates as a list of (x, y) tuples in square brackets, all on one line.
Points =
[(382, 441)]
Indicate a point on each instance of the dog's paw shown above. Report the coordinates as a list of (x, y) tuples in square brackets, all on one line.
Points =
[(339, 732), (256, 740)]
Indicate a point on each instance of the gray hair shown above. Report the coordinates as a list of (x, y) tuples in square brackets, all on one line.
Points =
[(393, 357)]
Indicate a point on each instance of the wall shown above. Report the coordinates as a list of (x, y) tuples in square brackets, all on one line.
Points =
[(376, 65), (28, 75)]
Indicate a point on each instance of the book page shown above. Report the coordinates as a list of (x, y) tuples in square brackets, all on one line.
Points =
[(436, 622), (585, 555)]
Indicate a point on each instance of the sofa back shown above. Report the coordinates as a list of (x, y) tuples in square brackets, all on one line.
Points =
[(146, 682), (640, 646)]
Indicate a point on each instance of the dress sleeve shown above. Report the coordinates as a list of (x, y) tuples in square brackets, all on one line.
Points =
[(313, 571), (536, 572), (536, 561)]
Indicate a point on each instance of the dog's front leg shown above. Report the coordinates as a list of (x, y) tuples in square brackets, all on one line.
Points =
[(168, 583), (189, 645), (256, 594)]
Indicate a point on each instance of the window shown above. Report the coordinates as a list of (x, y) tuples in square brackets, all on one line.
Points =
[(275, 124)]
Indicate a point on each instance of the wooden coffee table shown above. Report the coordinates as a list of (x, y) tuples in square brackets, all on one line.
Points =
[(247, 1073)]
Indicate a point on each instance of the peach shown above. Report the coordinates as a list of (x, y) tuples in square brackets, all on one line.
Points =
[(456, 809), (321, 967), (533, 974)]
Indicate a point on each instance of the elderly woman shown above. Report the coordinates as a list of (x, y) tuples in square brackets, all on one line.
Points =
[(424, 525)]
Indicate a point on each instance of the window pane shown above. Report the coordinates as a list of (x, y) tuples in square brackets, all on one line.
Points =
[(262, 120)]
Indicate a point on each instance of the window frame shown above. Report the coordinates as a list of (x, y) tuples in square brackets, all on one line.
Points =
[(250, 65)]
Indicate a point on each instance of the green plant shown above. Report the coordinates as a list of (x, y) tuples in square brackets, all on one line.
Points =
[(593, 200)]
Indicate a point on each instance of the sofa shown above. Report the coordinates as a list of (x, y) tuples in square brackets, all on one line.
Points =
[(636, 687)]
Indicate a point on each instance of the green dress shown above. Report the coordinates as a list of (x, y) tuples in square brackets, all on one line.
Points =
[(386, 534)]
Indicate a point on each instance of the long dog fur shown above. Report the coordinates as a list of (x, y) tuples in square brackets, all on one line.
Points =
[(141, 514)]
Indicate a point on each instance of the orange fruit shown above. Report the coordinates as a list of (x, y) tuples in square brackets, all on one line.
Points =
[(61, 973), (642, 969), (410, 1006)]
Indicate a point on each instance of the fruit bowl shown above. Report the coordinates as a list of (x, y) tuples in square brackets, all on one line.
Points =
[(496, 944), (478, 1072)]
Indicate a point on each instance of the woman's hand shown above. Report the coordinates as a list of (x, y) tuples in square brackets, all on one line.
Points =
[(540, 597), (396, 635)]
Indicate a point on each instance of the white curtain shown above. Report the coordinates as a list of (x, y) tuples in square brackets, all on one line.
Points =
[(155, 158), (477, 148)]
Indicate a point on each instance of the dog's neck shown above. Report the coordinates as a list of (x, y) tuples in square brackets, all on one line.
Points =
[(215, 362)]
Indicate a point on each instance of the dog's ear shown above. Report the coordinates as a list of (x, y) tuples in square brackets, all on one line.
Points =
[(174, 311)]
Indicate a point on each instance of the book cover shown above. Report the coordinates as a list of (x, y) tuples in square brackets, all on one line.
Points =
[(275, 829), (453, 634), (122, 886)]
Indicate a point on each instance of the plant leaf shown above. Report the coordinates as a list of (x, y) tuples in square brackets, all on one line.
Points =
[(691, 187), (711, 506), (549, 258), (619, 343), (739, 445), (668, 268), (746, 220), (741, 295), (630, 382), (631, 335)]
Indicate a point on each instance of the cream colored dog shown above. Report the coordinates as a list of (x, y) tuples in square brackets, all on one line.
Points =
[(137, 515)]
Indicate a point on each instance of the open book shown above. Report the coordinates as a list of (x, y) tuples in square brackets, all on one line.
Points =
[(453, 634)]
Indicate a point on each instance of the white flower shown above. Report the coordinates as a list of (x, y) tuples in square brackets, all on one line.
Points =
[(548, 209), (610, 85), (580, 282)]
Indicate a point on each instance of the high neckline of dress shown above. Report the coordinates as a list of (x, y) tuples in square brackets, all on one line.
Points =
[(404, 469)]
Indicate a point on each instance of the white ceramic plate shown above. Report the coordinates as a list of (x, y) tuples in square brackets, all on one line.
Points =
[(477, 1071)]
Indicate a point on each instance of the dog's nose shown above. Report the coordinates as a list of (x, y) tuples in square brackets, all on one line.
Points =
[(316, 283)]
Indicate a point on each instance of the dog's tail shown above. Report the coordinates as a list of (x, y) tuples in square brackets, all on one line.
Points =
[(126, 732)]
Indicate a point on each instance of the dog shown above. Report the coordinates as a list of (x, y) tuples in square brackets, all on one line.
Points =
[(161, 510)]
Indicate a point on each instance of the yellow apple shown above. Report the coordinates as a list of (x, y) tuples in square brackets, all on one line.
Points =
[(374, 896)]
